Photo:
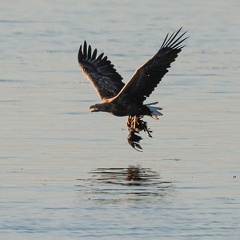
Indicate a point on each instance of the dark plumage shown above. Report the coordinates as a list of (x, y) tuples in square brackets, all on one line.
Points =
[(127, 100)]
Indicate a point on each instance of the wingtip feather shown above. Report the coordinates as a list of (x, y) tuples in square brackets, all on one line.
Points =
[(174, 40), (80, 56)]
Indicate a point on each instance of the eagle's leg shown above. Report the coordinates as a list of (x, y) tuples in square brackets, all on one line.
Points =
[(136, 123), (133, 123), (130, 122), (133, 138)]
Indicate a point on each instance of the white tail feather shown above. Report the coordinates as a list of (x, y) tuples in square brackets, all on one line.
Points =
[(154, 110)]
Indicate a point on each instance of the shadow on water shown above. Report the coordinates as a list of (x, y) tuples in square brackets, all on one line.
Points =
[(133, 183)]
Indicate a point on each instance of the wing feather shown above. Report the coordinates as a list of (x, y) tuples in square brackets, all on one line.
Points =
[(147, 77), (100, 71)]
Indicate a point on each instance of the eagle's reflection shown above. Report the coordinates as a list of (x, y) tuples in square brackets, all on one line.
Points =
[(124, 184), (132, 175)]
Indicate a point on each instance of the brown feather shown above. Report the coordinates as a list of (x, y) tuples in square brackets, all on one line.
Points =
[(147, 77), (100, 71)]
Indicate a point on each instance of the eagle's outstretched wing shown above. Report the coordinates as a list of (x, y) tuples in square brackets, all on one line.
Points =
[(147, 77), (100, 71)]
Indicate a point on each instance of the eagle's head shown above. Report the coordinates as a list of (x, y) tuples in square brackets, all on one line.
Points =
[(101, 107), (95, 108)]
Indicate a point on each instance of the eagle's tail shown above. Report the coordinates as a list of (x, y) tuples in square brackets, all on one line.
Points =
[(155, 113)]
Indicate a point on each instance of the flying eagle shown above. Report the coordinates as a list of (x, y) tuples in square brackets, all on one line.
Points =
[(122, 99)]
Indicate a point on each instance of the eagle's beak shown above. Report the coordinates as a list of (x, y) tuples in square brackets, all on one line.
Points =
[(93, 109)]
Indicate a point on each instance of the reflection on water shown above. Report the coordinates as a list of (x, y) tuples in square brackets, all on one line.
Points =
[(132, 175), (124, 184)]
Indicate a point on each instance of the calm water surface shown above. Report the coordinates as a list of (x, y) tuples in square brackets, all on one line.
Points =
[(63, 170)]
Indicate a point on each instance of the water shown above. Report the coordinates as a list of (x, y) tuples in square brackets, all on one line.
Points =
[(55, 154)]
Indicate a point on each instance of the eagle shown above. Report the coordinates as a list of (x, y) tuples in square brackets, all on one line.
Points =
[(128, 99)]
